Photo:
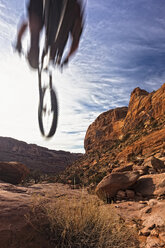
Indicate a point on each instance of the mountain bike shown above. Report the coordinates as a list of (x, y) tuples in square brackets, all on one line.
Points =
[(48, 104)]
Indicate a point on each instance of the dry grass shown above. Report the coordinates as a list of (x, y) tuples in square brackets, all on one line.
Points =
[(83, 223)]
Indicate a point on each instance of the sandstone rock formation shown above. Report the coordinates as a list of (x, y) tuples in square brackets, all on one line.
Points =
[(145, 181), (151, 186), (124, 136), (105, 129), (144, 108), (147, 145), (111, 184), (146, 112), (35, 157), (155, 164), (13, 172)]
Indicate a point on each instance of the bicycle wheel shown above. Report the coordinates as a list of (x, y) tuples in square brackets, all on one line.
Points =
[(48, 112)]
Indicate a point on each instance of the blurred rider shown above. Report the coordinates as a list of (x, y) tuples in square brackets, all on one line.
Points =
[(72, 25)]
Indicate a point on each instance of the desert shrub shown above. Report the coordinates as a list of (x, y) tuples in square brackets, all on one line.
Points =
[(72, 223), (35, 176), (91, 172), (75, 179)]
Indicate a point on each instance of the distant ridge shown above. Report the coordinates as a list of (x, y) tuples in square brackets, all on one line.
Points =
[(35, 157)]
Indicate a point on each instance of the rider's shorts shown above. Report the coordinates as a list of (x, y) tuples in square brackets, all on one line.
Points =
[(36, 7)]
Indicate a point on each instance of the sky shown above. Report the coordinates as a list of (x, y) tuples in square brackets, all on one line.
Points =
[(122, 47)]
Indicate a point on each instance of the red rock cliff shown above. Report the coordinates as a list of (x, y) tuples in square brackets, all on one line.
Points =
[(105, 129), (145, 116)]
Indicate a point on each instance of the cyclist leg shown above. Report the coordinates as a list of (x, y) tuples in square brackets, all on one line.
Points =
[(57, 49), (21, 32), (73, 25), (76, 28), (35, 10), (62, 34)]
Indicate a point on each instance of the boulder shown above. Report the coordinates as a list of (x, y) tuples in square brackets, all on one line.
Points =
[(130, 194), (151, 185), (162, 237), (153, 242), (114, 182), (156, 164), (13, 172), (121, 194), (143, 170)]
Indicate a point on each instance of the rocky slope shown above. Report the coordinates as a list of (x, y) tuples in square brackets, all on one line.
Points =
[(121, 136), (35, 157)]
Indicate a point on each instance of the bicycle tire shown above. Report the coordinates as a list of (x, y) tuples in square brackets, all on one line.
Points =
[(54, 110)]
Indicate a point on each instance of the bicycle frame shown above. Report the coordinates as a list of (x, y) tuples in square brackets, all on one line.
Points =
[(52, 31)]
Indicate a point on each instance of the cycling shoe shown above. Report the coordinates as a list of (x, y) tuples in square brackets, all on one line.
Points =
[(33, 57)]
